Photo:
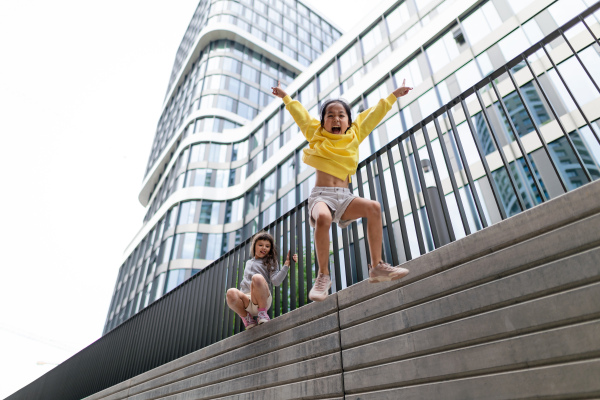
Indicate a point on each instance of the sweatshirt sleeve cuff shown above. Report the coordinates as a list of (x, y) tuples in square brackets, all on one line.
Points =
[(287, 100), (392, 98)]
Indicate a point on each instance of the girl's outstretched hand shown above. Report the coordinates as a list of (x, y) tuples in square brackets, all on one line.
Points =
[(287, 260), (278, 91), (403, 90)]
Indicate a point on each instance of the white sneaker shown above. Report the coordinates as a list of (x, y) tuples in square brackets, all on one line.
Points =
[(319, 291)]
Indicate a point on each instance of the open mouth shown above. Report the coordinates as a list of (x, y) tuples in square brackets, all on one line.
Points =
[(336, 129)]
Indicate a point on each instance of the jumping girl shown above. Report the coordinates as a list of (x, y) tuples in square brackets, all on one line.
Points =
[(333, 152), (253, 299)]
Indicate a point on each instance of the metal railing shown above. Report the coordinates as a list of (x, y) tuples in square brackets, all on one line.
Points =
[(442, 179)]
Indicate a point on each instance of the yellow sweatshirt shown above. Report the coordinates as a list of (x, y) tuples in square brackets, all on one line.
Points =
[(332, 153)]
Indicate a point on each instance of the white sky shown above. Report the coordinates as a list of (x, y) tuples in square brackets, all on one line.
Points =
[(81, 89)]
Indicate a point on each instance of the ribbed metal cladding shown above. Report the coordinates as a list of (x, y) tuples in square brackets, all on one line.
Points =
[(194, 314)]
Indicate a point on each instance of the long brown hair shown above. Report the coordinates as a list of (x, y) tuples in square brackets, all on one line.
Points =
[(270, 260)]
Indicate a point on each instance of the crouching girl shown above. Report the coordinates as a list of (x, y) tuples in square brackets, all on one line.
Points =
[(253, 298)]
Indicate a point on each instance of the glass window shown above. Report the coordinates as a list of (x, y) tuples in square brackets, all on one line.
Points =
[(483, 21), (171, 217), (398, 17), (183, 247), (468, 75), (518, 5), (174, 278), (198, 245), (287, 172), (428, 103), (269, 185), (309, 93), (288, 201), (252, 198), (327, 77), (239, 150), (411, 72), (349, 58), (165, 250), (513, 44), (213, 246), (188, 213), (442, 51), (234, 210), (372, 39), (218, 152), (250, 74)]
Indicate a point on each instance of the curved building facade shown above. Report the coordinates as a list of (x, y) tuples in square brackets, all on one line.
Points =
[(226, 157)]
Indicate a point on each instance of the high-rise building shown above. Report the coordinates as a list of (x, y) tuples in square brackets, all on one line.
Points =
[(226, 157)]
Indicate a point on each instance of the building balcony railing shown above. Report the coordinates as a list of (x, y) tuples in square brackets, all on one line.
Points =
[(500, 147)]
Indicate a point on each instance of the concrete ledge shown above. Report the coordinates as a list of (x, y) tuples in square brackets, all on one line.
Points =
[(290, 355), (557, 212), (549, 246), (564, 273), (543, 348), (313, 389), (570, 380), (284, 323)]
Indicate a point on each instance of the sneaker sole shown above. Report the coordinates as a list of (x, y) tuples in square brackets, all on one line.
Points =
[(387, 278), (262, 321), (250, 326)]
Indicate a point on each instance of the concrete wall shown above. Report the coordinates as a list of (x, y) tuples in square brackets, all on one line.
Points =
[(512, 311)]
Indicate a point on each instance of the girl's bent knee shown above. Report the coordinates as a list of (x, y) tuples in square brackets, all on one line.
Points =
[(258, 279), (323, 220)]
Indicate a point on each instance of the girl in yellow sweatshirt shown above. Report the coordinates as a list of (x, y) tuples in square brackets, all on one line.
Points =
[(333, 152)]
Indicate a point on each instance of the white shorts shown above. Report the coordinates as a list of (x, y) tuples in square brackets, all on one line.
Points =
[(336, 198), (252, 308)]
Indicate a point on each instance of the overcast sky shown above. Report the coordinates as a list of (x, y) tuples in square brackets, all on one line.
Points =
[(81, 89)]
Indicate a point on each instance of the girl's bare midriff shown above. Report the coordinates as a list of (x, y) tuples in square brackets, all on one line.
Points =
[(326, 180)]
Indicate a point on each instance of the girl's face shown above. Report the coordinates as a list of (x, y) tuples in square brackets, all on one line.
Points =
[(262, 248), (336, 119)]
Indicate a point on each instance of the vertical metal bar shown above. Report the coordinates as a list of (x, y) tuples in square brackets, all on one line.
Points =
[(241, 264), (292, 270), (500, 151), (373, 191), (524, 153), (579, 59), (214, 267), (221, 299), (336, 257), (301, 250), (423, 185), (461, 209), (386, 210), (356, 245), (361, 193), (535, 126), (215, 300), (401, 221), (438, 182), (411, 198), (308, 247), (467, 169), (347, 263), (570, 93), (277, 309), (589, 30), (207, 305), (557, 119), (228, 311), (285, 286)]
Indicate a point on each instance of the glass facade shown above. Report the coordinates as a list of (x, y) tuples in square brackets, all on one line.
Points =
[(219, 187)]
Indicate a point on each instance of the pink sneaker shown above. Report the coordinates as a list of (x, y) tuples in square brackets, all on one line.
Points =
[(384, 272), (249, 321), (319, 291), (263, 317)]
